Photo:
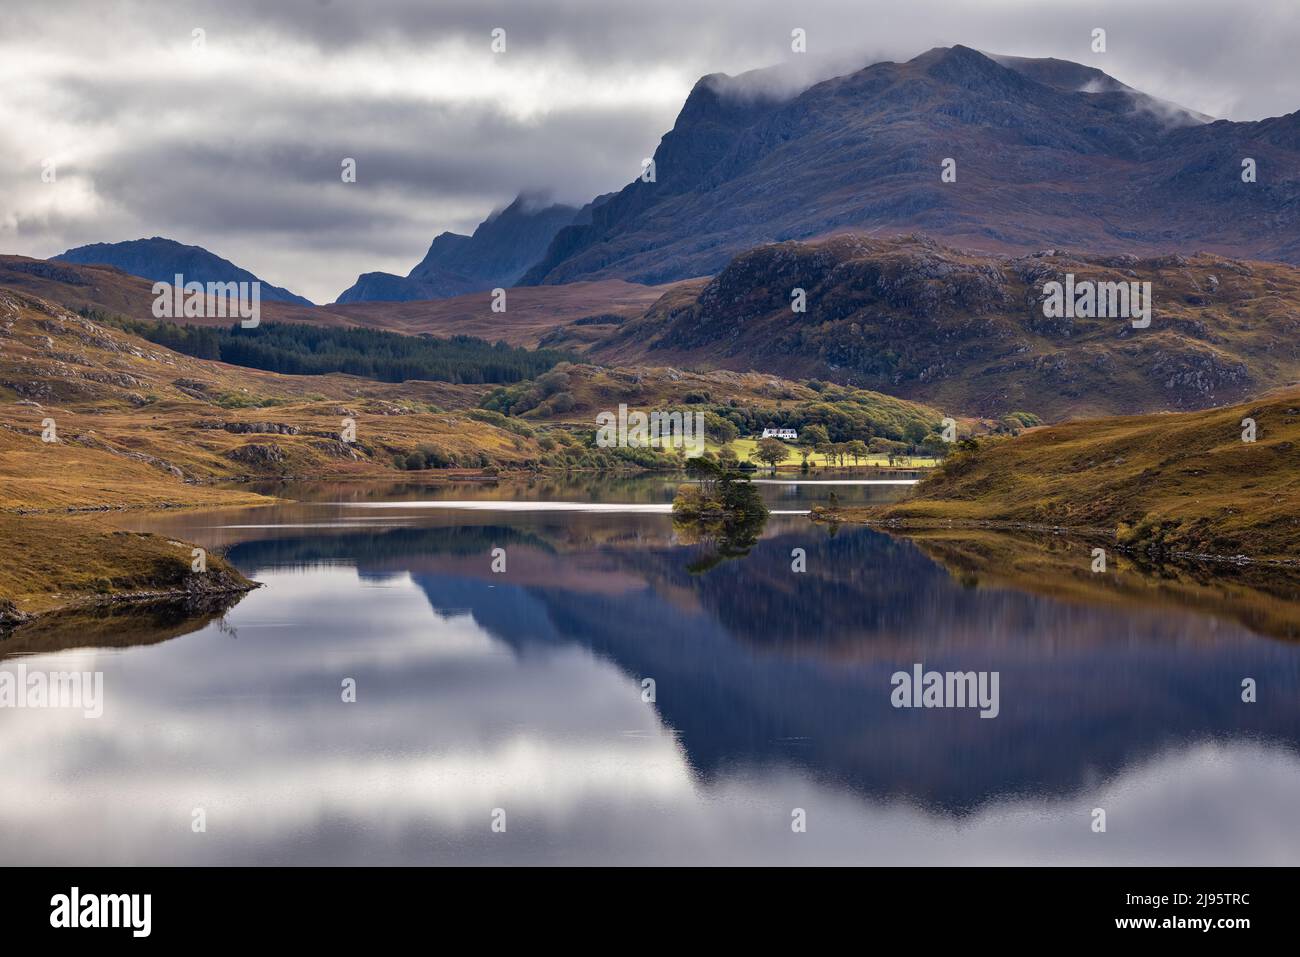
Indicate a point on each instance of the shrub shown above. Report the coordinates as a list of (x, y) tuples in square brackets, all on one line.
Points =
[(562, 402)]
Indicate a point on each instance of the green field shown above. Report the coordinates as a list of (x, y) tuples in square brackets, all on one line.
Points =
[(744, 448)]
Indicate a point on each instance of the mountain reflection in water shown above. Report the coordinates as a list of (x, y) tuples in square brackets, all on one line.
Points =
[(523, 691)]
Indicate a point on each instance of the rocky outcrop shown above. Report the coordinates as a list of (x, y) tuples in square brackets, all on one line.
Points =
[(252, 428), (262, 456)]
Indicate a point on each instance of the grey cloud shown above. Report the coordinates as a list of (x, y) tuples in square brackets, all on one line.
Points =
[(261, 184)]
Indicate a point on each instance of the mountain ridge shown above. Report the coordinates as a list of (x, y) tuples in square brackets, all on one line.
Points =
[(160, 259), (1038, 164)]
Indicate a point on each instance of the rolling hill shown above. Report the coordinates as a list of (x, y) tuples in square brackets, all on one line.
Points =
[(572, 316), (1182, 484), (966, 331), (577, 314), (149, 423)]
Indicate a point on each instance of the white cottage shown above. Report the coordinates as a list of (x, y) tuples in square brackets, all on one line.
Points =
[(786, 435)]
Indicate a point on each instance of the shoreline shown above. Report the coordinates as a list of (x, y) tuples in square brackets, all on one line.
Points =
[(822, 515), (68, 561)]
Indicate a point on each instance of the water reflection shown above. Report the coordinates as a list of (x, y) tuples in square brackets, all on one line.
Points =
[(523, 691)]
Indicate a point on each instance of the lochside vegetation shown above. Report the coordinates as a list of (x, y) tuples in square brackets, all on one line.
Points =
[(733, 406)]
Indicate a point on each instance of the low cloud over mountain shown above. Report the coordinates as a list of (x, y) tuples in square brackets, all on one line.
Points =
[(1038, 153), (237, 146)]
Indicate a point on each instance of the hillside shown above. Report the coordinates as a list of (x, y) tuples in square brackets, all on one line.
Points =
[(146, 421), (570, 317), (160, 260), (966, 331), (108, 289), (576, 394), (139, 427), (576, 315), (152, 425), (1048, 153), (1179, 483)]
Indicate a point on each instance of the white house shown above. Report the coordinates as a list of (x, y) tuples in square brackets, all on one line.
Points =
[(788, 435)]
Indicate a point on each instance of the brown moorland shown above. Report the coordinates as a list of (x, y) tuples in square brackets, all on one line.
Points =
[(1174, 484), (131, 425), (572, 316)]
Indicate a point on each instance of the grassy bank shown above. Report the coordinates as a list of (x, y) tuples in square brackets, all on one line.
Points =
[(56, 563), (1180, 483)]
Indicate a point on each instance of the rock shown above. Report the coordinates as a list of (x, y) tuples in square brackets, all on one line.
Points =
[(11, 616), (257, 454)]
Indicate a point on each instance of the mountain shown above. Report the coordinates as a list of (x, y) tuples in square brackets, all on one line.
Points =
[(110, 290), (1048, 153), (966, 332), (503, 246), (160, 259)]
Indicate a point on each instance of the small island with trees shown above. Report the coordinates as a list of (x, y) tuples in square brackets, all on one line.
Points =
[(722, 508)]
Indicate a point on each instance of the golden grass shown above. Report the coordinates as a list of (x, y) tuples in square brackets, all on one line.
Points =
[(50, 563), (1177, 483)]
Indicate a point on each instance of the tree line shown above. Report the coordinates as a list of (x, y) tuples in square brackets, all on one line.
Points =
[(296, 348)]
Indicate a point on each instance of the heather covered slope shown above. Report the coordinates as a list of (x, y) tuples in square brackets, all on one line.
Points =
[(966, 331), (570, 317), (1175, 483), (160, 260), (1048, 153)]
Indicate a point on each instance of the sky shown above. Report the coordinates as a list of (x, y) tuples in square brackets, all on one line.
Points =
[(118, 121)]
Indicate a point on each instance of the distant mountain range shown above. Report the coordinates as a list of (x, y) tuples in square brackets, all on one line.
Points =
[(160, 260), (1047, 152), (502, 247)]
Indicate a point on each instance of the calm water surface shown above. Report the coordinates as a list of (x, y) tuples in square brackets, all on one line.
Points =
[(523, 692)]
